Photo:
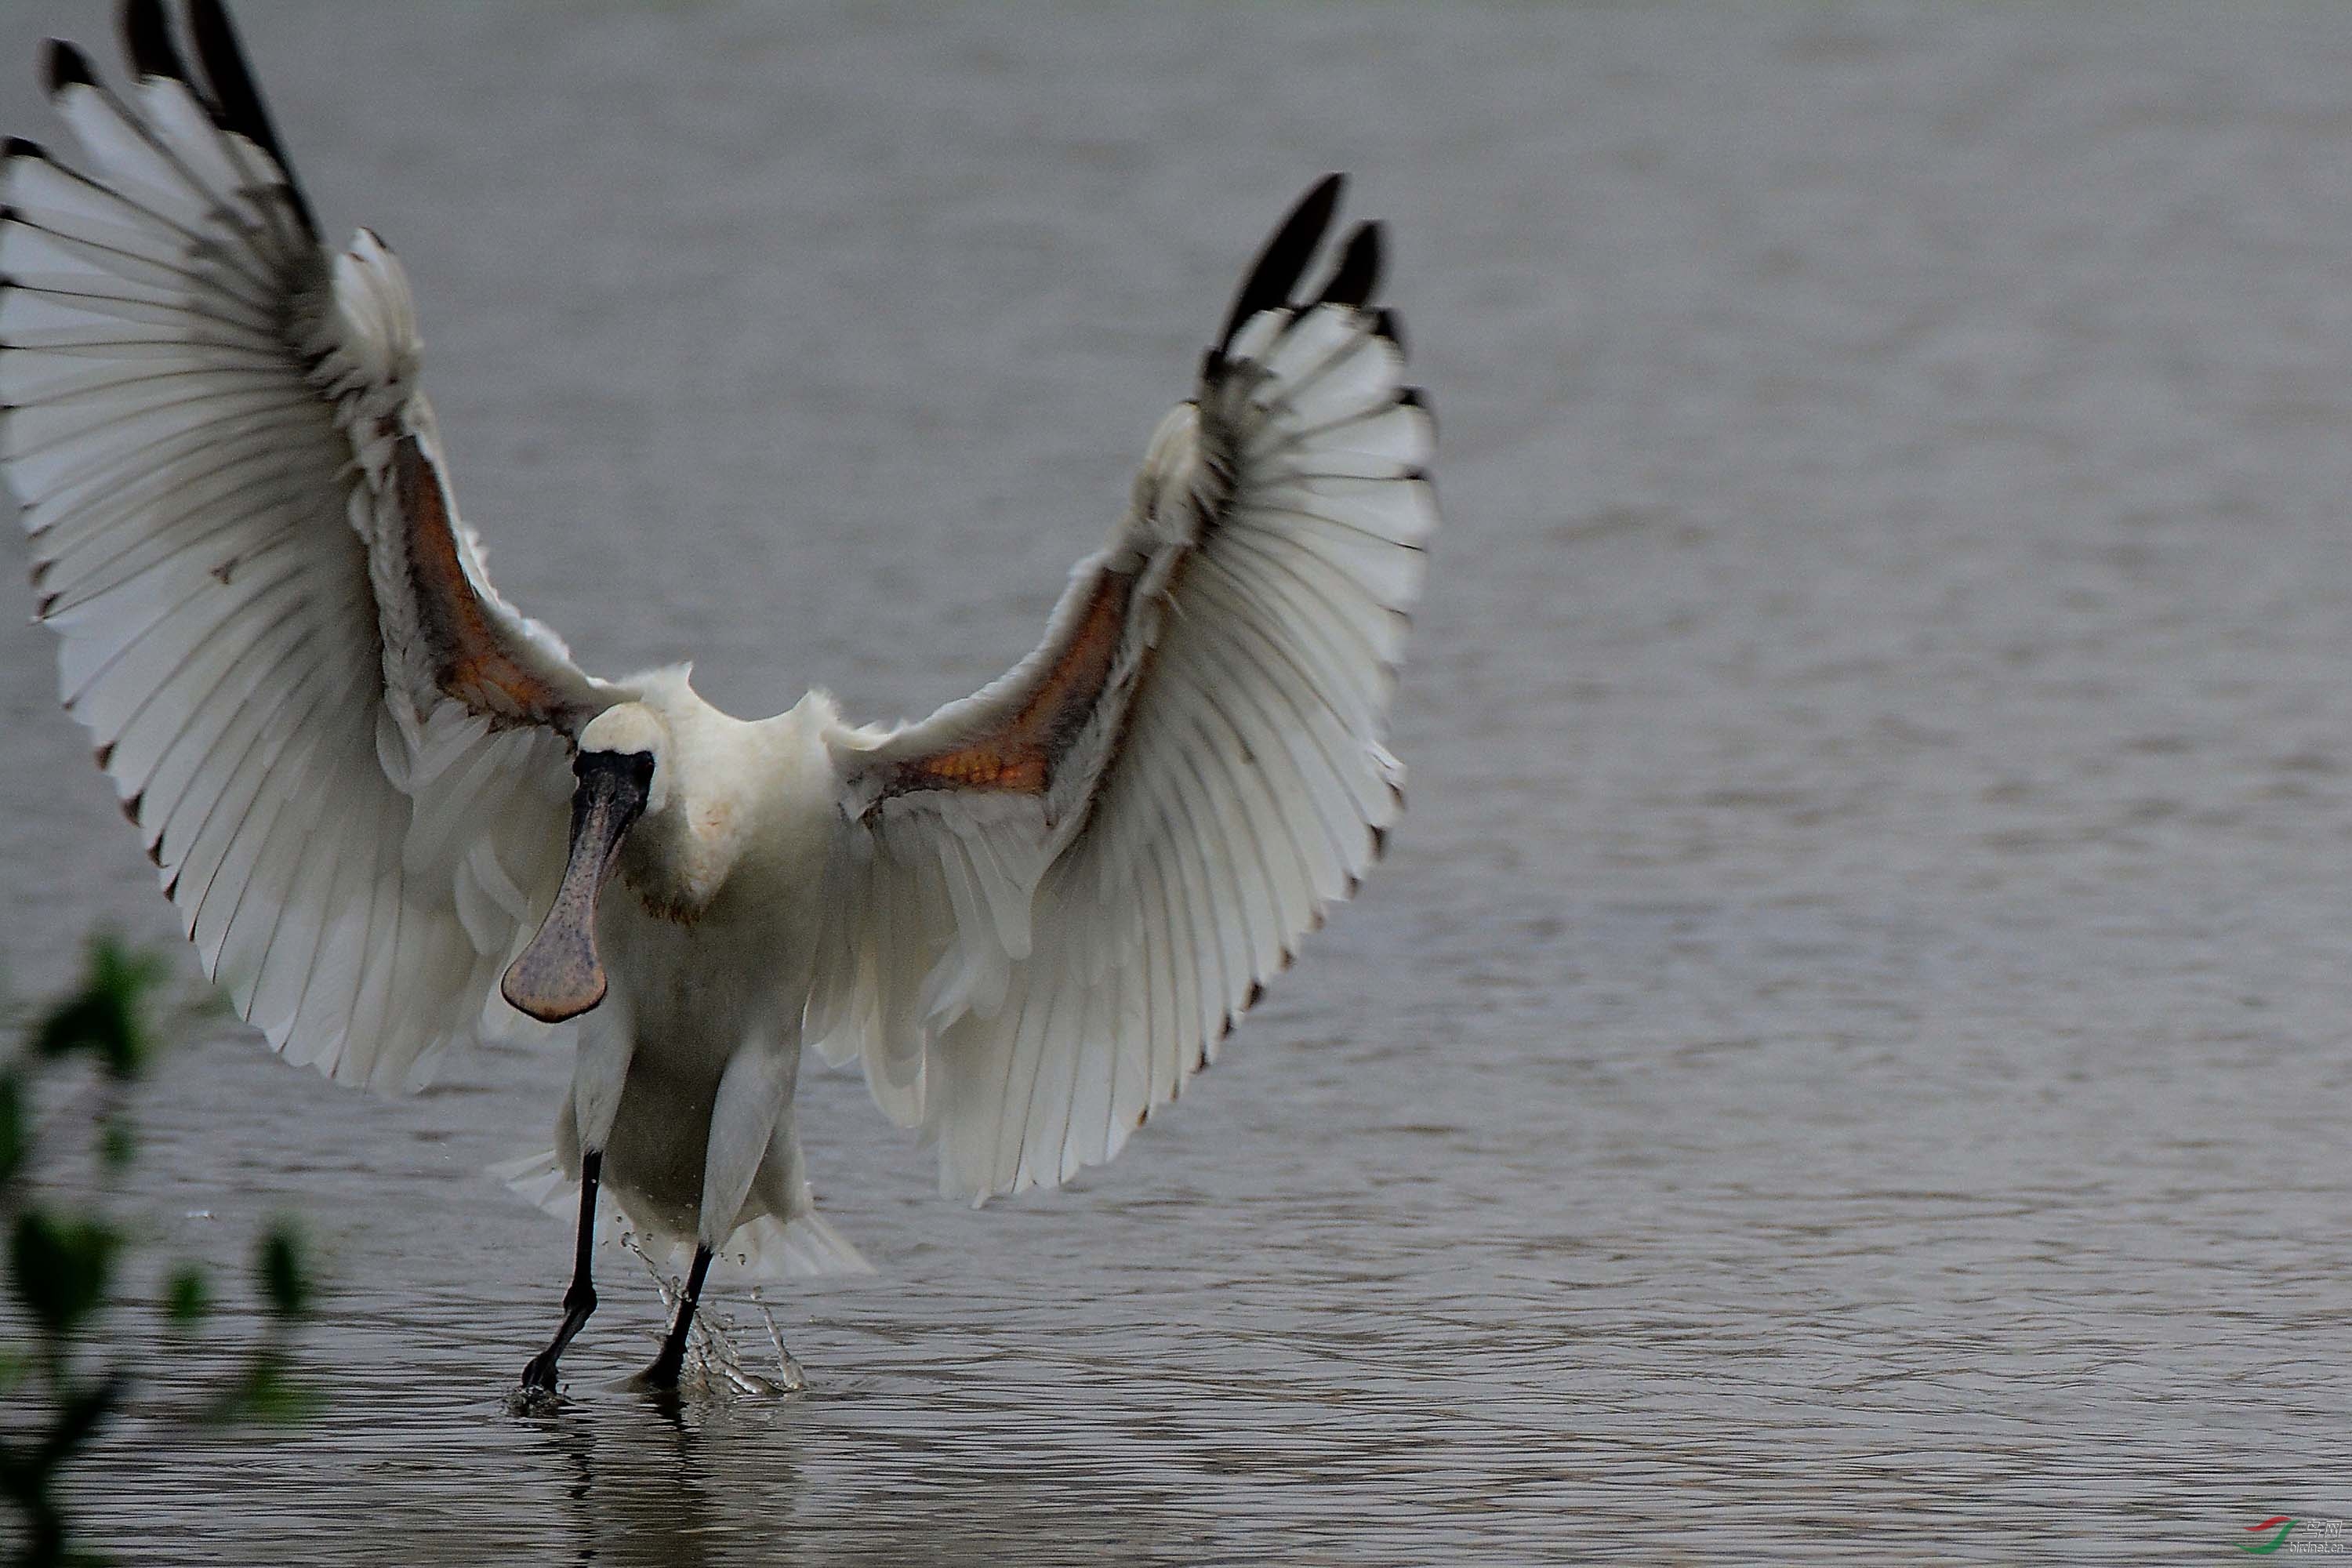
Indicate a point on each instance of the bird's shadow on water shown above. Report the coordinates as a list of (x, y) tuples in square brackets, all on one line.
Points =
[(835, 1474), (639, 1483)]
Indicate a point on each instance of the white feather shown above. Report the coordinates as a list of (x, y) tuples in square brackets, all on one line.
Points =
[(1034, 914), (1244, 791)]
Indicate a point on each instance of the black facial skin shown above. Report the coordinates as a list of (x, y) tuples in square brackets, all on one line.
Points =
[(559, 976)]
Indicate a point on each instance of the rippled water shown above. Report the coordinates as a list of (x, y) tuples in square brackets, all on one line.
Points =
[(1848, 1055)]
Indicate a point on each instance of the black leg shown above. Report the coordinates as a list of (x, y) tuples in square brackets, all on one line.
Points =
[(664, 1372), (580, 1300)]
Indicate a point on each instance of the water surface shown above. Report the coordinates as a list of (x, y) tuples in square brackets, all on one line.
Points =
[(1848, 1055)]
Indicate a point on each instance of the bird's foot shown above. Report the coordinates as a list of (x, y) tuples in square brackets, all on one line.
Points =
[(536, 1393), (662, 1376)]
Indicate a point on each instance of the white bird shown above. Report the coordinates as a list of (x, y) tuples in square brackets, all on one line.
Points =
[(393, 814)]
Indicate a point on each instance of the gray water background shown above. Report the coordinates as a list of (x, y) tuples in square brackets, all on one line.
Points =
[(1848, 1057)]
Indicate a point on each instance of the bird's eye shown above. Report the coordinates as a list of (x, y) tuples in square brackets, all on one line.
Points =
[(640, 764)]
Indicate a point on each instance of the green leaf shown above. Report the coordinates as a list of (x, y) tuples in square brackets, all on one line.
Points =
[(187, 1295), (270, 1392), (84, 1409), (60, 1267), (118, 1142), (15, 1133), (106, 1017), (279, 1266)]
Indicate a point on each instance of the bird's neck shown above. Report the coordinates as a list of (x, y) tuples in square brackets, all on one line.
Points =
[(678, 859)]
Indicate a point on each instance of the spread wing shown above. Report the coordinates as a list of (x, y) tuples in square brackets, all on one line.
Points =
[(1054, 896), (345, 753)]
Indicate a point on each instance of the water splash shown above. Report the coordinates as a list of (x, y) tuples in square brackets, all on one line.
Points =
[(718, 1365)]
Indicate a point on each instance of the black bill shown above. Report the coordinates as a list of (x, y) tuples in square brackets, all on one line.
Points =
[(559, 976)]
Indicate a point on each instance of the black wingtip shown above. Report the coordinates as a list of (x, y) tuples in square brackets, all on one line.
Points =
[(1359, 272), (1286, 255), (236, 99), (68, 67), (1390, 325), (147, 39), (21, 147)]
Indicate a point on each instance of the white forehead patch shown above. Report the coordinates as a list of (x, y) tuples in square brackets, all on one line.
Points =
[(629, 727)]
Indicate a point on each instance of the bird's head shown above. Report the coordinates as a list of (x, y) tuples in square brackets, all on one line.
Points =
[(628, 736), (619, 764)]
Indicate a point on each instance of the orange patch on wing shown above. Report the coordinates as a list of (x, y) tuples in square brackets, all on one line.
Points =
[(470, 662), (1020, 758)]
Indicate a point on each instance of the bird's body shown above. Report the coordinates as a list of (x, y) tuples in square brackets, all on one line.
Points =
[(710, 938), (395, 815)]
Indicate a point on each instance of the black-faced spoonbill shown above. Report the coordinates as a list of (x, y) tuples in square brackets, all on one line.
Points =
[(393, 813)]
